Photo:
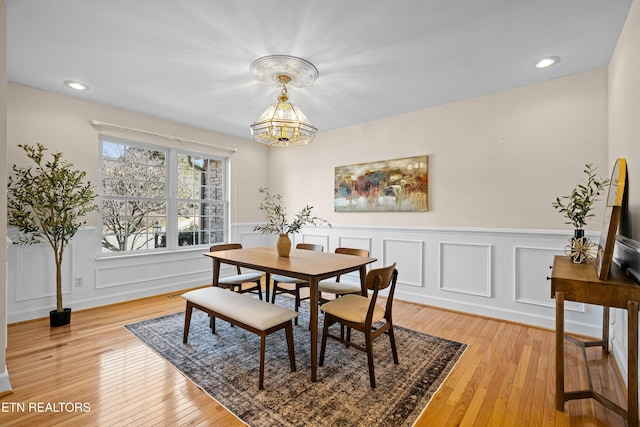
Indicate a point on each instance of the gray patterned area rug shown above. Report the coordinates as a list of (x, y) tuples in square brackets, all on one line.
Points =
[(226, 366)]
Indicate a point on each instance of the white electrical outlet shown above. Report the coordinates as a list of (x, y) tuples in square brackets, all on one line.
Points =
[(78, 281)]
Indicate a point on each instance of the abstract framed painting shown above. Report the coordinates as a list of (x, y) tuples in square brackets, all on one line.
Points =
[(397, 185)]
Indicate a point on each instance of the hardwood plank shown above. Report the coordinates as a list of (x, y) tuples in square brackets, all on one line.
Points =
[(506, 376)]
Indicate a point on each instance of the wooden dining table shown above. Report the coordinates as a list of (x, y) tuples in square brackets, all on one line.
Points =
[(312, 266)]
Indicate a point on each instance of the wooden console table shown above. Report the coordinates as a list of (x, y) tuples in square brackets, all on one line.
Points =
[(580, 283)]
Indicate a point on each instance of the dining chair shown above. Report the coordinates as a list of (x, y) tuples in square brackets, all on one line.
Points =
[(236, 281), (298, 284), (363, 314), (336, 288)]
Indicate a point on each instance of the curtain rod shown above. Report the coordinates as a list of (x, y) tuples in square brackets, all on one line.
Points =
[(160, 135)]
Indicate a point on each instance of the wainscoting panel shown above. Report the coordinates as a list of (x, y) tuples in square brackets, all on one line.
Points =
[(36, 266), (531, 285), (498, 273), (149, 274), (465, 268), (252, 239), (409, 258), (314, 239), (355, 242)]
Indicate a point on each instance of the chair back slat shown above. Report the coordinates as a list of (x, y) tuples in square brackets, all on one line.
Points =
[(385, 274), (226, 247), (310, 247), (392, 290), (352, 251)]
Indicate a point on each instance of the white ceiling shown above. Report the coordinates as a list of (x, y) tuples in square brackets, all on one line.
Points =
[(188, 60)]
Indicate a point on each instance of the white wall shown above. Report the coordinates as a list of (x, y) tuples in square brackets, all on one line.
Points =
[(495, 161), (63, 123), (624, 141), (498, 273), (5, 384), (496, 164), (624, 111)]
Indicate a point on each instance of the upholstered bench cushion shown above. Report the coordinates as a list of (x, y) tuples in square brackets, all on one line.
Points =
[(258, 314), (352, 308)]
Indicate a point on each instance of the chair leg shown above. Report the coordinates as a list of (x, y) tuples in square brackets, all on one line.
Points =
[(392, 339), (263, 339), (259, 289), (369, 346), (212, 324), (292, 355), (297, 308), (325, 332), (273, 292), (187, 322)]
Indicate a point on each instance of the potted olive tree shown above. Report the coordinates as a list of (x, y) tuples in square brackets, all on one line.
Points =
[(47, 202)]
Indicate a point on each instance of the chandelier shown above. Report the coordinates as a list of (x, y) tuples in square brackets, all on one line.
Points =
[(282, 123)]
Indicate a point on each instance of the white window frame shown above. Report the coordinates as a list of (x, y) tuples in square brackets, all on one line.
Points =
[(171, 195)]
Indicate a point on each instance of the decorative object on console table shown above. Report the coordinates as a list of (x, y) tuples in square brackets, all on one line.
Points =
[(611, 218), (579, 248), (577, 208), (49, 202), (277, 221)]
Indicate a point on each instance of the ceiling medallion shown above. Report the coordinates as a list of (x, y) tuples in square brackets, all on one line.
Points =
[(283, 124)]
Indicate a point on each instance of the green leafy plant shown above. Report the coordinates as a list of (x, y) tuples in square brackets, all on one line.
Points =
[(277, 216), (577, 205), (48, 202)]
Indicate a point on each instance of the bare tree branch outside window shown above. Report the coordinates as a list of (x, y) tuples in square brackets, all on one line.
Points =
[(135, 203)]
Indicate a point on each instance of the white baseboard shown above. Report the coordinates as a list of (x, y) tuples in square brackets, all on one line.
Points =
[(5, 383)]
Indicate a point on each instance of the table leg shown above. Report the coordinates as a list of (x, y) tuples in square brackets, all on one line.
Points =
[(560, 351), (632, 355), (313, 325), (363, 275), (216, 272)]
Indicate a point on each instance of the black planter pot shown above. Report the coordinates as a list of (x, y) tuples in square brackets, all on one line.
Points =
[(59, 319)]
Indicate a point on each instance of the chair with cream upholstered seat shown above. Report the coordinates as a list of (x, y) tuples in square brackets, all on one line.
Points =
[(363, 314), (336, 288), (297, 284), (236, 281)]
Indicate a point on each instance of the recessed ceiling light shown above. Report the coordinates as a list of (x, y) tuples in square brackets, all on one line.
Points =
[(547, 62), (76, 85)]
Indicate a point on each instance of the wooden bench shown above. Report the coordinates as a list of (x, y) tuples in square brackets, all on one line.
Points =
[(259, 317)]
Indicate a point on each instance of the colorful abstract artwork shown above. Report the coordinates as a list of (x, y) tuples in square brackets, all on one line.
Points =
[(399, 185)]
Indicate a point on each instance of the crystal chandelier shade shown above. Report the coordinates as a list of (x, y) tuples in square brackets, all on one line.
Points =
[(282, 123)]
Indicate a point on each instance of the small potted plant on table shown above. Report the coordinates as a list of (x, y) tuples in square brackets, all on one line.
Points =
[(277, 221), (577, 208)]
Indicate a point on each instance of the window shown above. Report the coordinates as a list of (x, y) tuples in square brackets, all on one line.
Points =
[(154, 197)]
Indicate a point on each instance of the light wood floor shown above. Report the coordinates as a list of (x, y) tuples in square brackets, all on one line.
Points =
[(505, 378)]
